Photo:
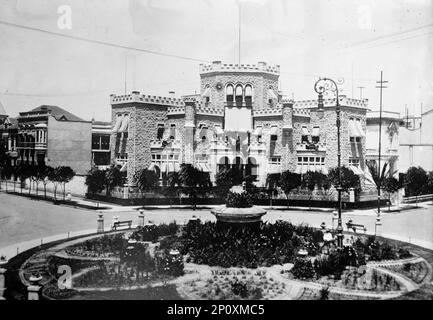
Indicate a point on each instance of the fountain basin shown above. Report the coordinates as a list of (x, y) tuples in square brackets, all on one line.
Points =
[(238, 215)]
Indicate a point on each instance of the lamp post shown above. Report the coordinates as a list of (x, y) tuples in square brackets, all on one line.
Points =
[(325, 86)]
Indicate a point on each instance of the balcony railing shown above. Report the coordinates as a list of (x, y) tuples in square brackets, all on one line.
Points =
[(40, 145)]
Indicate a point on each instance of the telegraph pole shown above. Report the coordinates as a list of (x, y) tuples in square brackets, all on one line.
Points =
[(380, 86)]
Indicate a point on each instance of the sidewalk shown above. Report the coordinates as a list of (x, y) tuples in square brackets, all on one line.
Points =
[(111, 207)]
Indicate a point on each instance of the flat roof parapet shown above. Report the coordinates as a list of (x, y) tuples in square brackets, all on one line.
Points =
[(142, 98), (217, 66)]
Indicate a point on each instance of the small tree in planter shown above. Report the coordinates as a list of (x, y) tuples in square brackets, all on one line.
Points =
[(239, 200), (288, 182)]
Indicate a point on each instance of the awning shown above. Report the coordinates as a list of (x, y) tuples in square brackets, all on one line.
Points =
[(359, 129), (355, 129), (124, 167), (305, 131), (271, 95), (176, 167), (274, 131), (206, 93), (356, 170), (164, 167), (118, 124), (274, 168), (170, 167), (124, 125), (324, 170), (316, 131), (257, 131), (219, 131)]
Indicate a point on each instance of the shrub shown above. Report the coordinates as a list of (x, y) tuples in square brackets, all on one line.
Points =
[(239, 289), (303, 269), (267, 245), (170, 264), (239, 200)]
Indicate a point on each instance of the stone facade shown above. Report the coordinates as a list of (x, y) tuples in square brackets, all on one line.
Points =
[(197, 129)]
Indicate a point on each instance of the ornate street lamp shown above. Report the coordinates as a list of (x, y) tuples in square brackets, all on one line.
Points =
[(326, 86)]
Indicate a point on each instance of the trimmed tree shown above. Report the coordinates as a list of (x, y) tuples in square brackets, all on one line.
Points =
[(95, 181), (194, 182), (390, 185), (289, 181), (45, 175), (224, 180), (146, 180), (172, 186), (415, 182), (272, 183), (113, 178), (349, 179), (65, 175)]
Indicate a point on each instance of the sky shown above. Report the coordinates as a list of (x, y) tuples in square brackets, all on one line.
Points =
[(55, 51)]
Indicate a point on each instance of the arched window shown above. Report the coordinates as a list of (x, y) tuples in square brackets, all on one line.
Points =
[(229, 93), (239, 97), (248, 94)]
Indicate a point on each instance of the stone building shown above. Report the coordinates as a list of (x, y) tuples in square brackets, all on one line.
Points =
[(239, 118)]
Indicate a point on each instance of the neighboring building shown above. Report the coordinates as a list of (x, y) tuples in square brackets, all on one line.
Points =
[(8, 136), (101, 132), (239, 119), (55, 137), (389, 139), (416, 142)]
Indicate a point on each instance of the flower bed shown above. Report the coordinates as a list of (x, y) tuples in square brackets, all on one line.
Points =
[(267, 245), (235, 284), (103, 247), (417, 271)]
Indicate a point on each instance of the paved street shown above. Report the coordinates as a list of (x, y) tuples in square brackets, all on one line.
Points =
[(22, 219)]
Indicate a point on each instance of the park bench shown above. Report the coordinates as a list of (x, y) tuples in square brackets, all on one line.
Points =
[(355, 226), (118, 224)]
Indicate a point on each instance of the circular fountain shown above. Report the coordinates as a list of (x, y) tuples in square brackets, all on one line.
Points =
[(238, 215)]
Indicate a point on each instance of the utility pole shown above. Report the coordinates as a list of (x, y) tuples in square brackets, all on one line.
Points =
[(379, 171), (240, 4), (126, 69), (360, 92)]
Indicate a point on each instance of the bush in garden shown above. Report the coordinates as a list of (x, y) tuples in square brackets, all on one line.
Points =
[(171, 264), (239, 200), (336, 262), (303, 269), (380, 250), (239, 288), (324, 293), (267, 245), (153, 232)]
